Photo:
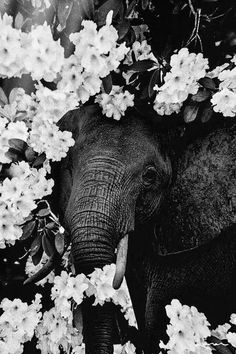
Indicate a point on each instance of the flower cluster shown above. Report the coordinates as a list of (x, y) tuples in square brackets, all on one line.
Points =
[(31, 269), (67, 288), (188, 330), (182, 80), (55, 332), (96, 55), (35, 52), (222, 331), (18, 323), (45, 135), (224, 101), (101, 288), (116, 102), (139, 51), (18, 194)]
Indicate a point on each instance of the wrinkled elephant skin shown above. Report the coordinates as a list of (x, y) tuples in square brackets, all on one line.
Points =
[(123, 185)]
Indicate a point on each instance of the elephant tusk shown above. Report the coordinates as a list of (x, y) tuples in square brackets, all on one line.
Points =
[(121, 259)]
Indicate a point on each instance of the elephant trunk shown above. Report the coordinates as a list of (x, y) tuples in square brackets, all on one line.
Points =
[(93, 247), (94, 215)]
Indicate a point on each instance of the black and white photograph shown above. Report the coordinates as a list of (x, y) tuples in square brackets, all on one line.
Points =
[(117, 176)]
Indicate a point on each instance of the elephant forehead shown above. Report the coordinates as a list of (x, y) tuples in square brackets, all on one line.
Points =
[(126, 141)]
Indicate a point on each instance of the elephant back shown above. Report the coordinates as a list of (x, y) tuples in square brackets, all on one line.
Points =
[(202, 201)]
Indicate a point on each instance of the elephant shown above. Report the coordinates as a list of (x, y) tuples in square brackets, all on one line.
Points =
[(166, 203)]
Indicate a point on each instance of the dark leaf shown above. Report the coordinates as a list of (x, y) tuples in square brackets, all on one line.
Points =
[(59, 242), (13, 155), (153, 81), (36, 244), (208, 83), (123, 28), (30, 154), (219, 347), (105, 8), (107, 83), (207, 113), (28, 229), (19, 20), (39, 160), (3, 98), (141, 65), (145, 4), (51, 225), (144, 93), (36, 258), (48, 243), (190, 112), (87, 8), (63, 11), (201, 95), (78, 318), (131, 8), (43, 212), (28, 218), (18, 145), (43, 272)]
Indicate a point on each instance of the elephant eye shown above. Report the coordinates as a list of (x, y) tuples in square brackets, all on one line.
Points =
[(149, 176)]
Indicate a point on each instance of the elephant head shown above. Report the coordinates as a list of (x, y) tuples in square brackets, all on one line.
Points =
[(113, 179), (112, 184)]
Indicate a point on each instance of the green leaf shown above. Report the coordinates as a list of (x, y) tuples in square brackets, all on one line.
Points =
[(36, 258), (141, 65), (105, 8), (59, 242), (48, 243), (28, 229), (190, 112), (107, 83), (3, 98), (39, 160), (208, 83), (36, 244), (153, 81), (63, 11), (201, 95)]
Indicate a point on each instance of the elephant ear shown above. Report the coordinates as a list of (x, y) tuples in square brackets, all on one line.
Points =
[(75, 120), (201, 203)]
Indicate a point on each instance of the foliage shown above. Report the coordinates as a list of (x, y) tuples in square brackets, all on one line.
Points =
[(160, 58)]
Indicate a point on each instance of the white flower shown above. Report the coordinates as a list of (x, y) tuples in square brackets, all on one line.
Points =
[(182, 80), (115, 103), (44, 56), (221, 331), (231, 338), (31, 269), (224, 101), (233, 318), (187, 331)]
